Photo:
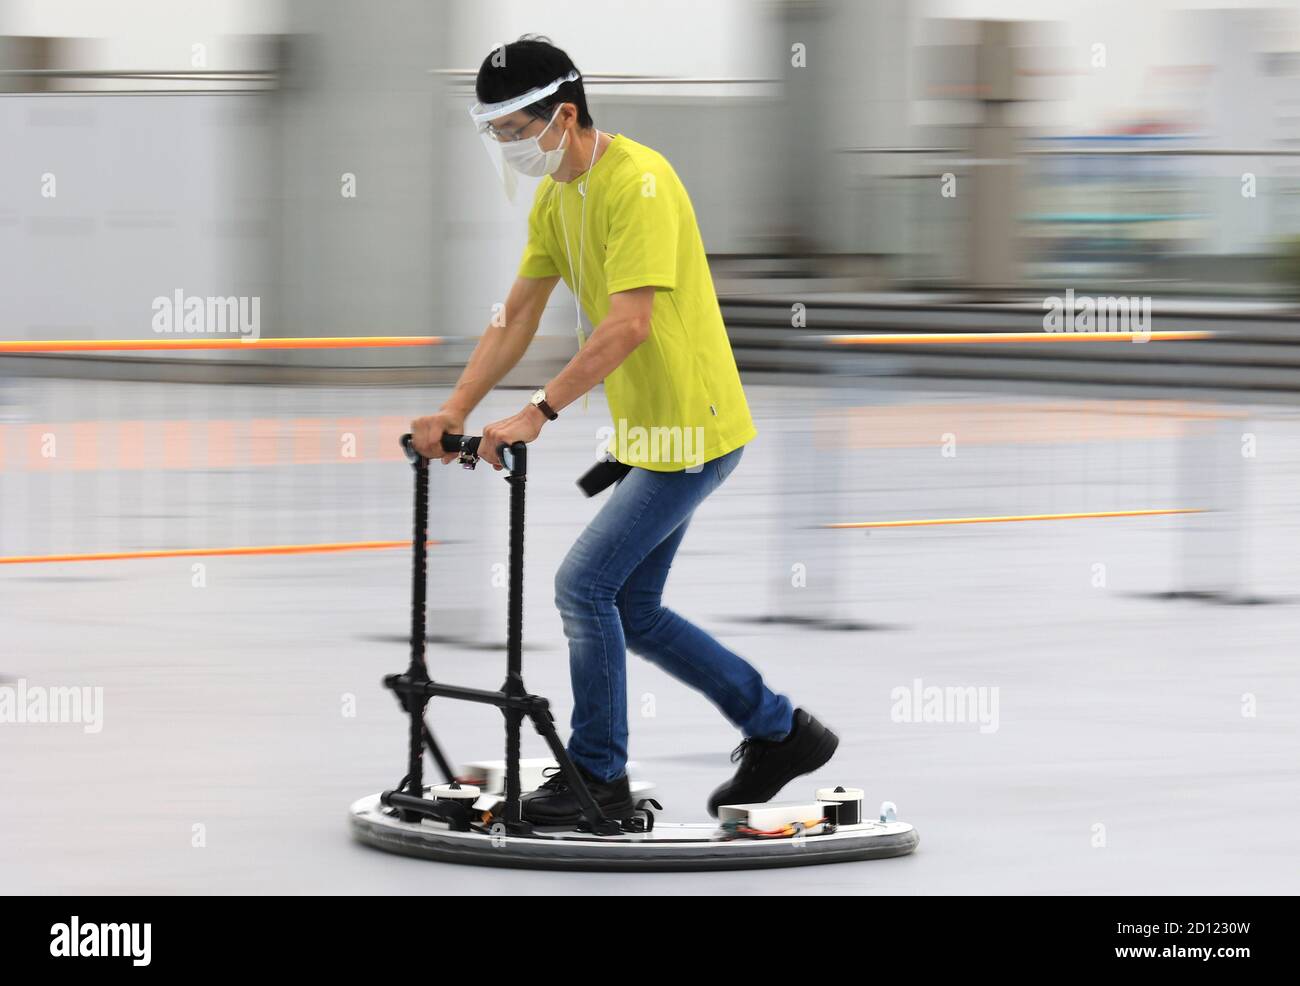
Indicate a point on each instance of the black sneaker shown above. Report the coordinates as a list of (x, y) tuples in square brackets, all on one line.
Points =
[(554, 803), (766, 766)]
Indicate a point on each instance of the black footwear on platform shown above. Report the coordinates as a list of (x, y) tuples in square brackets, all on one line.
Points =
[(554, 803), (766, 766)]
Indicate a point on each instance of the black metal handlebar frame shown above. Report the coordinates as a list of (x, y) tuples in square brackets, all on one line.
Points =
[(414, 688)]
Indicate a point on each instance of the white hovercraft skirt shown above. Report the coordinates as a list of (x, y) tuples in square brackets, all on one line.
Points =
[(668, 846)]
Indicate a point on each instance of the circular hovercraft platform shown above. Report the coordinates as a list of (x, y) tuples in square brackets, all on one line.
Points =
[(667, 846)]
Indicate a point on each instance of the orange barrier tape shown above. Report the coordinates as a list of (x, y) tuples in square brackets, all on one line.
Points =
[(262, 549), (309, 342), (1136, 407), (965, 338), (386, 342), (1013, 518), (306, 549)]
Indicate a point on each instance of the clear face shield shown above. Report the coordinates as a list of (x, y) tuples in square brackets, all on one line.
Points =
[(484, 113)]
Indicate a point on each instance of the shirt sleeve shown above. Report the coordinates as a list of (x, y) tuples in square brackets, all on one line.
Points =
[(643, 227), (537, 260)]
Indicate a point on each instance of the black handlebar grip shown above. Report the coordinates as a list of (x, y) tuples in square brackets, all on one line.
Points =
[(467, 445), (460, 443), (450, 443), (409, 449)]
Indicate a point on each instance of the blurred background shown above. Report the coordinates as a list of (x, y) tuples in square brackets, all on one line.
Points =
[(215, 535), (1146, 145)]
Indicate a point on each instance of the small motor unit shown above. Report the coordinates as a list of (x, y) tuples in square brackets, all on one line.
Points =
[(839, 806), (773, 815)]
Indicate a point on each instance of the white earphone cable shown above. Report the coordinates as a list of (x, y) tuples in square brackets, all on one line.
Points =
[(576, 278)]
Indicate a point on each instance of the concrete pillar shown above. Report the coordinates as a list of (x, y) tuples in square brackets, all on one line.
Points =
[(357, 99), (995, 179)]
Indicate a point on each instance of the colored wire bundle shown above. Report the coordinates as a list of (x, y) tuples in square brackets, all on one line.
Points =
[(784, 832)]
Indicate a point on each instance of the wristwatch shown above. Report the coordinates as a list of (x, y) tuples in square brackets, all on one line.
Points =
[(539, 400)]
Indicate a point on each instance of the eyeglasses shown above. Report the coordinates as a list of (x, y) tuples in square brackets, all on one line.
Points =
[(511, 133)]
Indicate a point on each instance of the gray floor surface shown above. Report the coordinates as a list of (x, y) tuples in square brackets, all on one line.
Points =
[(1140, 745)]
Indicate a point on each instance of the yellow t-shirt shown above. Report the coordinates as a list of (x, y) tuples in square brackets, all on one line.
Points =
[(676, 401)]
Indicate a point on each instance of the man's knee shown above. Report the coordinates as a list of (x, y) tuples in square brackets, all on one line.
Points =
[(578, 592), (639, 619), (568, 587)]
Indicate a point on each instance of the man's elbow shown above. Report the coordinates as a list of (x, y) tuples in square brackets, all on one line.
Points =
[(637, 328)]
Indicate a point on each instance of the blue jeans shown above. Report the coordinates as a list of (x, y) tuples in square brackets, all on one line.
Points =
[(609, 591)]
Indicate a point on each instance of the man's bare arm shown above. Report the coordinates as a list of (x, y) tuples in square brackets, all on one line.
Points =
[(625, 327), (501, 346)]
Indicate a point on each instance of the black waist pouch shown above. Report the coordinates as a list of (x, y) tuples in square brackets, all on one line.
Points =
[(603, 474)]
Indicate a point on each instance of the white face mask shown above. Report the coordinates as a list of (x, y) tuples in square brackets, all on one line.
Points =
[(527, 156), (484, 113)]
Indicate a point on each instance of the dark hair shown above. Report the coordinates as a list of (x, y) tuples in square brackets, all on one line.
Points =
[(532, 61)]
